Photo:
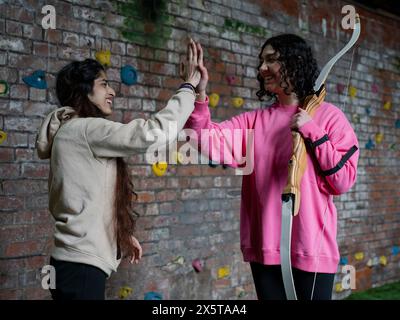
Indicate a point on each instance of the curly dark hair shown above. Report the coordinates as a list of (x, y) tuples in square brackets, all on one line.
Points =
[(298, 66)]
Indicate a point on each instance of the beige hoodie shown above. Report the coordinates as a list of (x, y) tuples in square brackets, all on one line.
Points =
[(82, 177)]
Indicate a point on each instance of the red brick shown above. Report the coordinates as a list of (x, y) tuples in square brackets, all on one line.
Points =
[(6, 155), (11, 203), (35, 170), (22, 248)]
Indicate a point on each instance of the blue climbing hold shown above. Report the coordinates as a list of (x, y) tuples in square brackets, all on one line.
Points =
[(397, 124), (395, 250), (153, 296), (369, 145), (344, 261), (128, 75), (36, 80)]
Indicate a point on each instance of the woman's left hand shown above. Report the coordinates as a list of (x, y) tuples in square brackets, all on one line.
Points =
[(135, 253), (300, 119)]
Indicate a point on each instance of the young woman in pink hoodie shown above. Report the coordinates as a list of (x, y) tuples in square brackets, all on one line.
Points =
[(286, 74)]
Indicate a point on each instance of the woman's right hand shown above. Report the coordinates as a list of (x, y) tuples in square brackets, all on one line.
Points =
[(203, 70), (190, 72)]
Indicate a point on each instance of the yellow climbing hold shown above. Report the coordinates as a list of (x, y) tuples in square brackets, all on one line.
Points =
[(359, 256), (159, 168), (104, 57), (223, 272), (124, 292), (177, 157), (352, 91), (338, 287), (378, 137), (213, 99), (387, 105), (3, 136), (237, 102), (383, 260)]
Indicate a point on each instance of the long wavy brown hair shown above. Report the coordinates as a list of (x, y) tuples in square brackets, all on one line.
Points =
[(74, 82)]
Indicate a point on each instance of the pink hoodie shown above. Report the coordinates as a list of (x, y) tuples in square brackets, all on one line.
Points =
[(332, 158)]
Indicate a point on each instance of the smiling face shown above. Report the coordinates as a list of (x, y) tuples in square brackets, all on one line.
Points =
[(102, 95), (269, 70)]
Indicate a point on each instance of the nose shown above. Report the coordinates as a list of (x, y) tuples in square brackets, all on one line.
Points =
[(111, 91), (263, 68)]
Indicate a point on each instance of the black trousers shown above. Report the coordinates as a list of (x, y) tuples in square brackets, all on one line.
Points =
[(78, 281), (269, 283)]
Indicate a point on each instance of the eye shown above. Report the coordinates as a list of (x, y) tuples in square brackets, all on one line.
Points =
[(104, 84)]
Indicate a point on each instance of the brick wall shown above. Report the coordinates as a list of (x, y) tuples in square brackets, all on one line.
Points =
[(193, 211)]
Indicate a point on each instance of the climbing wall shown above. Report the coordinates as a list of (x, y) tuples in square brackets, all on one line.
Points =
[(189, 224)]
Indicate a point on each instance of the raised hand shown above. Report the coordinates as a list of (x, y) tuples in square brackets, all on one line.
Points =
[(189, 72), (203, 70)]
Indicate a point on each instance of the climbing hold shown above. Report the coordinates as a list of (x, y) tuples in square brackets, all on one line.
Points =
[(356, 117), (230, 79), (223, 272), (3, 136), (177, 157), (369, 145), (378, 138), (340, 87), (397, 124), (36, 80), (369, 263), (128, 75), (375, 261), (124, 292), (374, 88), (395, 250), (392, 146), (237, 102), (104, 57), (383, 260), (359, 256), (213, 99), (387, 105), (240, 292), (159, 168), (368, 111), (153, 296), (344, 261), (3, 88), (197, 265), (179, 260), (338, 287), (352, 92)]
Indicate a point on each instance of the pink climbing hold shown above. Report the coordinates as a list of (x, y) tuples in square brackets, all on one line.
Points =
[(197, 265), (340, 87), (374, 88), (230, 79)]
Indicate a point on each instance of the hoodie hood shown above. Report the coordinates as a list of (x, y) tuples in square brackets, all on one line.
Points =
[(49, 128)]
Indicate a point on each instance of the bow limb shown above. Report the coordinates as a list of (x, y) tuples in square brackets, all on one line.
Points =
[(297, 166)]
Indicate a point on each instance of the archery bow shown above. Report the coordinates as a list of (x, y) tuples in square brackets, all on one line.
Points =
[(297, 166)]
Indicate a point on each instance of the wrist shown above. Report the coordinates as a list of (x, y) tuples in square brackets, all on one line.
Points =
[(201, 96)]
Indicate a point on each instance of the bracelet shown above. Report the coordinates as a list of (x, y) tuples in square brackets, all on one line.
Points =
[(188, 85)]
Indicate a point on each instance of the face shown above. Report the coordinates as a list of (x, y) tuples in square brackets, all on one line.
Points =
[(269, 70), (102, 95)]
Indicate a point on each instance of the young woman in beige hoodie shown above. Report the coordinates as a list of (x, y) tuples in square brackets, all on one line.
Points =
[(90, 194)]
